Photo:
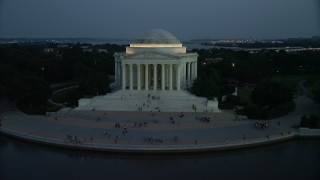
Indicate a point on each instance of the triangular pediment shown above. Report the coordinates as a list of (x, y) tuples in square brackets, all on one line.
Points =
[(151, 55)]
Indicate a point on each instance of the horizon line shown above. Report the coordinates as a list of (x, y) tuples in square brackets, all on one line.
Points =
[(189, 39)]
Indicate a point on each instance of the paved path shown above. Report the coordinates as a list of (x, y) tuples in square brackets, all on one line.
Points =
[(97, 128)]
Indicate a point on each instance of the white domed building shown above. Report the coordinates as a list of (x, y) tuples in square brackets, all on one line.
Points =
[(153, 73), (156, 60)]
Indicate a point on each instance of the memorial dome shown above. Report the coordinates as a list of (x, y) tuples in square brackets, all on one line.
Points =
[(156, 36)]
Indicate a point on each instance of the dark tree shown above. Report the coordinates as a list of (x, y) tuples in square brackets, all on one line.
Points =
[(269, 93), (313, 121), (30, 90), (317, 95), (207, 85), (253, 111)]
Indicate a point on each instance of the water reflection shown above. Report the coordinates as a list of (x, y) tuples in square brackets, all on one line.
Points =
[(294, 159)]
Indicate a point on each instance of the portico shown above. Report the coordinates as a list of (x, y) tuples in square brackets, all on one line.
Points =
[(156, 76)]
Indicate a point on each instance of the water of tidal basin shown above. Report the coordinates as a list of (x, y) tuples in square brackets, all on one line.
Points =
[(298, 159)]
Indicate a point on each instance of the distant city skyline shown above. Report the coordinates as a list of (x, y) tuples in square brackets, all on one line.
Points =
[(186, 19)]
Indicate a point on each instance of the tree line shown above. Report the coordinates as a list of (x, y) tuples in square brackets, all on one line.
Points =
[(256, 71), (27, 70)]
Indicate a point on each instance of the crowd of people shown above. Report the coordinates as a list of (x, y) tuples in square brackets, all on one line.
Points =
[(117, 125), (75, 139), (181, 115), (107, 134), (153, 139), (124, 131), (147, 104), (205, 119), (262, 124), (139, 125), (172, 120)]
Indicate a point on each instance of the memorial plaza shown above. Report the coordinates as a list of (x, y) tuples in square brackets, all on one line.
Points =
[(129, 131), (151, 109)]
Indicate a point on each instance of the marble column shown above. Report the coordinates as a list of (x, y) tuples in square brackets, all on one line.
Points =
[(181, 72), (189, 75), (195, 70), (116, 73), (155, 81), (146, 77), (162, 77), (131, 77), (138, 77), (184, 74), (123, 76), (170, 77), (178, 77), (192, 66), (119, 72), (166, 75)]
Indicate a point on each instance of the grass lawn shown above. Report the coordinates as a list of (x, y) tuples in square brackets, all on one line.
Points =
[(63, 95), (226, 105), (290, 80), (312, 84), (52, 107), (244, 95), (68, 97)]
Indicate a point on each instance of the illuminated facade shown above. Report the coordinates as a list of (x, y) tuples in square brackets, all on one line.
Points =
[(156, 60), (152, 75)]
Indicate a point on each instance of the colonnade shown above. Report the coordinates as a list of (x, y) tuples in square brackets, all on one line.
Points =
[(137, 76)]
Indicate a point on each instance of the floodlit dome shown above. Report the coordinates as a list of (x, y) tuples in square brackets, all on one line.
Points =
[(156, 36)]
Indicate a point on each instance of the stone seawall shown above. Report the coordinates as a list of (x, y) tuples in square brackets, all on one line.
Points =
[(155, 148), (307, 132)]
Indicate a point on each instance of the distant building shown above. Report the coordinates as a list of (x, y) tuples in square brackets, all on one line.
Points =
[(213, 60), (86, 49), (102, 50), (62, 45), (48, 50)]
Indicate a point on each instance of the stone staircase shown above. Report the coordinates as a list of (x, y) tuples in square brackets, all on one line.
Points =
[(152, 100)]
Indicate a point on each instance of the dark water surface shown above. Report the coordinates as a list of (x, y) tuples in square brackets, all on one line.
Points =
[(297, 159)]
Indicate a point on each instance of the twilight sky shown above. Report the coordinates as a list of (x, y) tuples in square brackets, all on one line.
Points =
[(186, 19)]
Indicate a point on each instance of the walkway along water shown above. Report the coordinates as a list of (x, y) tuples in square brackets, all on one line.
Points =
[(95, 130)]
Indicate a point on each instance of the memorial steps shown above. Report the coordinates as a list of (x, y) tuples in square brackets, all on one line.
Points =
[(153, 100)]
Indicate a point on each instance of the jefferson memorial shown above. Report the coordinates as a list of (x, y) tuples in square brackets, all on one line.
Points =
[(155, 60), (153, 74)]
